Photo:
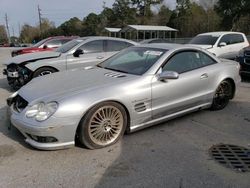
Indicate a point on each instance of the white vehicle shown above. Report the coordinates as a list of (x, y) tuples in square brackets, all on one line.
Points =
[(221, 44)]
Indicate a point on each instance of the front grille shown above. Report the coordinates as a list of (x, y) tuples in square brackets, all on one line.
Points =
[(19, 103)]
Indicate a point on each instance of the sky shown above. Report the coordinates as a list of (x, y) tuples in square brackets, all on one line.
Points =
[(20, 12)]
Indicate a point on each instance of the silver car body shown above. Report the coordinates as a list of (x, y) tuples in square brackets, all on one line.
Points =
[(65, 61), (147, 100)]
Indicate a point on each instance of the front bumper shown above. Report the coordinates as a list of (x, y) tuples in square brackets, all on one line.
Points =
[(245, 65), (62, 129)]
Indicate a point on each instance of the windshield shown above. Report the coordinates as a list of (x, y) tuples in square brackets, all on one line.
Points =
[(204, 39), (40, 43), (133, 60), (68, 46)]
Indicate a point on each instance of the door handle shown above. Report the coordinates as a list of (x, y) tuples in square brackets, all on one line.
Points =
[(99, 57), (203, 76)]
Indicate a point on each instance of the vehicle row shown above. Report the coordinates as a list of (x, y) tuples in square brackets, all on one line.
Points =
[(138, 87), (80, 52)]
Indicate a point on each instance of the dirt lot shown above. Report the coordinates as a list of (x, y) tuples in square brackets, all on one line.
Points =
[(173, 154)]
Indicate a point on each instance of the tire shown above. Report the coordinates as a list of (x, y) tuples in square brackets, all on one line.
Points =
[(103, 125), (43, 71), (222, 95)]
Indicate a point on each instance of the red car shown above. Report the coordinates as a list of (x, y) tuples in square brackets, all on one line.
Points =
[(47, 44)]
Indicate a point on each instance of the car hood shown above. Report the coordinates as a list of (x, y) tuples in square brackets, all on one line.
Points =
[(62, 84), (28, 49), (202, 46), (31, 57)]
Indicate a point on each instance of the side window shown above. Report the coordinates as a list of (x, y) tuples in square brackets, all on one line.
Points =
[(226, 39), (232, 39), (183, 62), (206, 60), (113, 45), (237, 38), (93, 47), (53, 43), (63, 41)]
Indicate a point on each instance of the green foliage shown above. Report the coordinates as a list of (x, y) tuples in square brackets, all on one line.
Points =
[(191, 19), (73, 26), (3, 34), (188, 17), (123, 13), (231, 11), (29, 33)]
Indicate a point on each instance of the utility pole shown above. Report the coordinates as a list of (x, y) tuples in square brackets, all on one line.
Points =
[(7, 26), (13, 31), (40, 18), (19, 29)]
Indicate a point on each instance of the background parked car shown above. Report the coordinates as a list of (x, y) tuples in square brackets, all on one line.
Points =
[(47, 44), (156, 40), (80, 52), (222, 44), (244, 60)]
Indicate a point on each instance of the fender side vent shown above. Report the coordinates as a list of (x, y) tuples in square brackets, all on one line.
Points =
[(140, 107), (114, 75)]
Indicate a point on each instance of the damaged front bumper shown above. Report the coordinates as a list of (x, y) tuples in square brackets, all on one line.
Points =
[(17, 76)]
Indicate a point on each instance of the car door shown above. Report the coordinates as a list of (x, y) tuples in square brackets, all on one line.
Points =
[(92, 54), (114, 46), (225, 51), (191, 89), (237, 43)]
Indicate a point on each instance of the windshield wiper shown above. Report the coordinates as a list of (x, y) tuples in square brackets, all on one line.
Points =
[(115, 70)]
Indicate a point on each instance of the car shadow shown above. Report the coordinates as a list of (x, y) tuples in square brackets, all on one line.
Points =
[(9, 130), (168, 154), (4, 85)]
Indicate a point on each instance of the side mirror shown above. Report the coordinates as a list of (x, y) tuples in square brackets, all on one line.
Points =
[(45, 46), (168, 75), (78, 52), (222, 44)]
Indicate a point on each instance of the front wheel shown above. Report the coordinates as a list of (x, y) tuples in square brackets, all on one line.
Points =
[(43, 71), (222, 95), (103, 125)]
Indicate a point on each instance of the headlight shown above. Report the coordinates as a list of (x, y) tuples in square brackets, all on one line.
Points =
[(42, 111)]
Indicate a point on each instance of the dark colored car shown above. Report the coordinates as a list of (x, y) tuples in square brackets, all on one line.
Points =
[(47, 44), (244, 60)]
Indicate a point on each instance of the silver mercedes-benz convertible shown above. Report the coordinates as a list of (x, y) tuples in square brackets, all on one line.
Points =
[(136, 88)]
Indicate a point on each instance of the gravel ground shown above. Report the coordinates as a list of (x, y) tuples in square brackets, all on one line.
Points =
[(173, 154)]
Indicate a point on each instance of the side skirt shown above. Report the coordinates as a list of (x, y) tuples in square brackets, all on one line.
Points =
[(168, 117)]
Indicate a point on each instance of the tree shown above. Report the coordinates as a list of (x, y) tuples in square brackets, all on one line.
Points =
[(90, 25), (231, 11), (143, 9), (46, 25), (191, 19), (3, 34), (29, 33), (72, 27), (123, 13), (163, 16)]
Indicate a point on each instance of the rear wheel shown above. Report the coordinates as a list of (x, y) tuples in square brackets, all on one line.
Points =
[(222, 95), (43, 71), (103, 125)]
